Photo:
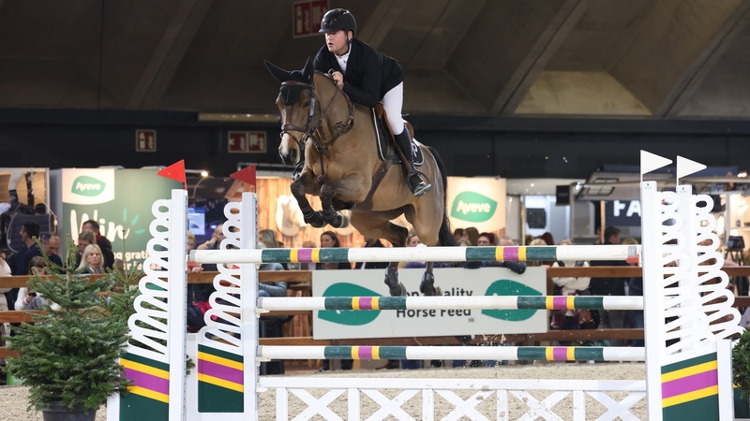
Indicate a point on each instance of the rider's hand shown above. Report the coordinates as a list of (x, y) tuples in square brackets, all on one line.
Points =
[(338, 79)]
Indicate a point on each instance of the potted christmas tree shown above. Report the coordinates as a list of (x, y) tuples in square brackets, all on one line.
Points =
[(68, 355)]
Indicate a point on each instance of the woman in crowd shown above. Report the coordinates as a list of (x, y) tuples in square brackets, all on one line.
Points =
[(91, 260)]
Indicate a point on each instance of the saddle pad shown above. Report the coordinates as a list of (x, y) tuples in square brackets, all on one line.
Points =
[(385, 148)]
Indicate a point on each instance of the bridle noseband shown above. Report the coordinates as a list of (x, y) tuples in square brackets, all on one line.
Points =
[(313, 130)]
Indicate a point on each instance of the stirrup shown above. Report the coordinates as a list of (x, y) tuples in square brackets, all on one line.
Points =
[(417, 184)]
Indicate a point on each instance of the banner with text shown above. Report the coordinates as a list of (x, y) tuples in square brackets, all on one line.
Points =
[(476, 202), (120, 201), (345, 324)]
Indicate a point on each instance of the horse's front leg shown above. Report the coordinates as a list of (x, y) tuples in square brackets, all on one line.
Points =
[(306, 183), (330, 215)]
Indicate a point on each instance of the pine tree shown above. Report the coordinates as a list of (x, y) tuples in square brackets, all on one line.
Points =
[(69, 354)]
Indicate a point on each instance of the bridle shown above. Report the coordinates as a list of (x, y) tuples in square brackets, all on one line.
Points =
[(313, 130)]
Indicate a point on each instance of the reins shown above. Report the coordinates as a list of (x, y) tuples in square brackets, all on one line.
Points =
[(314, 132)]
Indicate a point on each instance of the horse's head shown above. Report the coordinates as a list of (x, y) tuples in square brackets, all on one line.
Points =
[(296, 102)]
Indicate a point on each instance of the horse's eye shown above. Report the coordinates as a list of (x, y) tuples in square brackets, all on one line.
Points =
[(306, 104)]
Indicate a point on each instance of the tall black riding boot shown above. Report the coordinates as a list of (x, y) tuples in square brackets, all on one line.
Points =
[(417, 182)]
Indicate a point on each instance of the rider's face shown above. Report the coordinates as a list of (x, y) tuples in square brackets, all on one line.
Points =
[(337, 42)]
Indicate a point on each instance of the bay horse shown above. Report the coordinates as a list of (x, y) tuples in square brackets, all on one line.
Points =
[(334, 141)]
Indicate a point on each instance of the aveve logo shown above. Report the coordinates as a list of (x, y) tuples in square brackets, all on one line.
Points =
[(88, 186), (473, 207)]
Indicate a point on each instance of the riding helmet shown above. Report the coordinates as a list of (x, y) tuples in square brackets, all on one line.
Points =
[(338, 19)]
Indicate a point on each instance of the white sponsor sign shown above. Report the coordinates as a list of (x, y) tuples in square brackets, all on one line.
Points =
[(476, 202), (88, 186), (333, 324)]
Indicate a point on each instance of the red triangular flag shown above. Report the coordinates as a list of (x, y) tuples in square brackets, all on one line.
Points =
[(175, 172), (246, 175)]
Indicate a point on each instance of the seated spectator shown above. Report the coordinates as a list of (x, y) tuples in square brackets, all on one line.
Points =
[(28, 299)]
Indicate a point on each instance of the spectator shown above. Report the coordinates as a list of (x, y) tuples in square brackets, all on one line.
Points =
[(372, 242), (458, 234), (104, 244), (610, 319), (472, 234), (91, 260), (50, 243), (28, 299), (330, 239), (569, 285), (202, 292), (193, 267), (30, 232), (85, 239)]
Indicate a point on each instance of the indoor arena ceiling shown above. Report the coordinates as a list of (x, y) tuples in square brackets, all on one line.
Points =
[(634, 58)]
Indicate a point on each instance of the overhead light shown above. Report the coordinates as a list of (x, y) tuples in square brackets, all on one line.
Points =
[(742, 174), (202, 173), (238, 118)]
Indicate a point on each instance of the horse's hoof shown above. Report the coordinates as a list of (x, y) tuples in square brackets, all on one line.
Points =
[(339, 220), (395, 288), (427, 287), (315, 220)]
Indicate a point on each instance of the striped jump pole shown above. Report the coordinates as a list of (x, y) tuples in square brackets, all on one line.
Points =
[(494, 302), (542, 353), (629, 253)]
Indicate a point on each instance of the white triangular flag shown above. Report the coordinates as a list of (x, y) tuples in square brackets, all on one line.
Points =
[(687, 167), (650, 162)]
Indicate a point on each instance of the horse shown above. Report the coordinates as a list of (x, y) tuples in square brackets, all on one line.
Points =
[(341, 165)]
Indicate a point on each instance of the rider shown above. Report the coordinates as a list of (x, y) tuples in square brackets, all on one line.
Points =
[(371, 77)]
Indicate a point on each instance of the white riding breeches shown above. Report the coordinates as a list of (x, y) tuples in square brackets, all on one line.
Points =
[(392, 101)]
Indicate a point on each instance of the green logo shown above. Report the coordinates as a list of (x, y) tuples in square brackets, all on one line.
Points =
[(88, 186), (349, 317), (473, 207), (506, 287)]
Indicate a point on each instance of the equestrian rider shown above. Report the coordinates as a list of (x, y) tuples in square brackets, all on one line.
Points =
[(368, 77)]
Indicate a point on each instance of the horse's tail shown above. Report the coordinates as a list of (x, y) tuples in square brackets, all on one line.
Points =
[(445, 236)]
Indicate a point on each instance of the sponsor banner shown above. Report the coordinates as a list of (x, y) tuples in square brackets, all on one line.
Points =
[(120, 201), (88, 186), (477, 202), (346, 324)]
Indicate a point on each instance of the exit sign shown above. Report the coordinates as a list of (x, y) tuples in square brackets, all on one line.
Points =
[(145, 140), (247, 142)]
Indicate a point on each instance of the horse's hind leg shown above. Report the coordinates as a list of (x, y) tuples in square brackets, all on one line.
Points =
[(378, 225), (427, 287)]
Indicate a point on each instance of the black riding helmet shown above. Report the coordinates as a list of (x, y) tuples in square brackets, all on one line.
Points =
[(338, 19)]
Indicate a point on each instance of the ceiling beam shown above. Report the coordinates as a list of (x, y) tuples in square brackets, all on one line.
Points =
[(691, 80), (168, 54), (540, 54), (381, 21)]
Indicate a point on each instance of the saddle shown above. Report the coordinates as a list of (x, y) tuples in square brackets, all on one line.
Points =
[(383, 135)]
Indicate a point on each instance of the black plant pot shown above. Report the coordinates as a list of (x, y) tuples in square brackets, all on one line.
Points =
[(59, 412)]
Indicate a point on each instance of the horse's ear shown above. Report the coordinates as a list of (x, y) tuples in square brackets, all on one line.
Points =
[(280, 74), (308, 70)]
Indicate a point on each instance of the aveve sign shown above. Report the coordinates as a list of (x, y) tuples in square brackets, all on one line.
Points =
[(476, 202)]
